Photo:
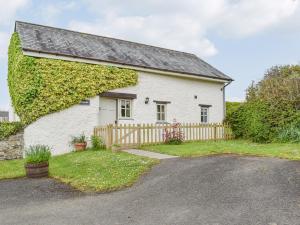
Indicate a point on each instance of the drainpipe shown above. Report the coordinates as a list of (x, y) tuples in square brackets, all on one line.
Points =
[(224, 102)]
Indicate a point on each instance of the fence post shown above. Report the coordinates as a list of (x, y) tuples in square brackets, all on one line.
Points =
[(139, 135), (215, 131), (109, 135), (224, 131)]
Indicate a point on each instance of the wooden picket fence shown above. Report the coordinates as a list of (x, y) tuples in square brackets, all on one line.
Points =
[(135, 135)]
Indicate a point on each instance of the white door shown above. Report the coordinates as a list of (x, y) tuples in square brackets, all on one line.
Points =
[(108, 111)]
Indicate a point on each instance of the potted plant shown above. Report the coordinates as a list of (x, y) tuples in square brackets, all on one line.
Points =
[(37, 161), (115, 147), (79, 142)]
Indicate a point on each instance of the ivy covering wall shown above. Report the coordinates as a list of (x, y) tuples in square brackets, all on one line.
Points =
[(40, 86)]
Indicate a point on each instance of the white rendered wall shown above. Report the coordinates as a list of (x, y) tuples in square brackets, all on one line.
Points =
[(179, 91), (55, 130)]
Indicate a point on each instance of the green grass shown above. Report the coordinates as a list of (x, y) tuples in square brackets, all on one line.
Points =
[(89, 170), (12, 169), (243, 147)]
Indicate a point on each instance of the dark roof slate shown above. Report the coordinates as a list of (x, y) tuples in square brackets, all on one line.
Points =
[(44, 39), (4, 114)]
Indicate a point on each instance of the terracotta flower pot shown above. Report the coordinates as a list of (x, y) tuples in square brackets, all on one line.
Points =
[(37, 170), (80, 146)]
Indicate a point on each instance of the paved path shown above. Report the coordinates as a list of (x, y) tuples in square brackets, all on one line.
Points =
[(150, 154), (219, 190)]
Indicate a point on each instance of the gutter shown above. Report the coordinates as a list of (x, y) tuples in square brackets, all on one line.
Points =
[(223, 88), (224, 102)]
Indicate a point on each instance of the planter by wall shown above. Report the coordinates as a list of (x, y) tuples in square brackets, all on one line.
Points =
[(80, 146), (37, 170)]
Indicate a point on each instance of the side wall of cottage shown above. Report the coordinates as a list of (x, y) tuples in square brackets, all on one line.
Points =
[(183, 94)]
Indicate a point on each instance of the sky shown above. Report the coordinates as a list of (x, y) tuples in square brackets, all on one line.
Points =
[(241, 38)]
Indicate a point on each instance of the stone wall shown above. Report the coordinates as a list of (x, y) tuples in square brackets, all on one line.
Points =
[(12, 147)]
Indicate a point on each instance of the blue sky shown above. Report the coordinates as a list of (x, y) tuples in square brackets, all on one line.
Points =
[(242, 38)]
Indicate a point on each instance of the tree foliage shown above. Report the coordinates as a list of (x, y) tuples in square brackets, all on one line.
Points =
[(272, 106), (40, 86)]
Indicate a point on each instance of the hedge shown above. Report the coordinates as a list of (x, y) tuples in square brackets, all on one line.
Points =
[(9, 128), (272, 108), (40, 86)]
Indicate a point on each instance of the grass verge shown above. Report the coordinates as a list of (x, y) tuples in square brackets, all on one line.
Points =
[(242, 147), (89, 170)]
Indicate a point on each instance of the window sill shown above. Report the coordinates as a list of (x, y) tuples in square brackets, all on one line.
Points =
[(125, 119)]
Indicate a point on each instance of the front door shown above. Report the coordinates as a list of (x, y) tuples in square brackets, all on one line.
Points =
[(108, 111)]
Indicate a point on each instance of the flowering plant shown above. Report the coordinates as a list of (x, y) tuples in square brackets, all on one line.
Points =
[(174, 135)]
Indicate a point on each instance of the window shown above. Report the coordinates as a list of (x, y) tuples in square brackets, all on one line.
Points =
[(125, 108), (204, 114), (161, 112)]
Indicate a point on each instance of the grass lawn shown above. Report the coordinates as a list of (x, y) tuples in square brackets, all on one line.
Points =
[(89, 170), (243, 147)]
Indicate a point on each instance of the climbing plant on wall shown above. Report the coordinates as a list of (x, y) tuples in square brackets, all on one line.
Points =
[(40, 86)]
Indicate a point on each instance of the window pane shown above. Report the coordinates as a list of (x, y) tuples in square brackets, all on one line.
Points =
[(204, 115), (128, 113), (163, 116), (125, 108), (122, 103), (128, 104), (123, 112), (160, 112)]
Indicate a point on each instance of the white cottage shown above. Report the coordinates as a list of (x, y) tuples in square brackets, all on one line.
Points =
[(171, 85)]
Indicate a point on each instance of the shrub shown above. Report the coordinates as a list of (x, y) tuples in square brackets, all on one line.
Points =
[(37, 154), (9, 128), (290, 133), (174, 136), (79, 139), (97, 142), (271, 107)]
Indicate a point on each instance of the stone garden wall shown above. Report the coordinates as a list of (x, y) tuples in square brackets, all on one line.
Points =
[(12, 147)]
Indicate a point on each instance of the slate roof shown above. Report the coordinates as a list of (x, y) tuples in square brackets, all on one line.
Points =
[(4, 114), (50, 40)]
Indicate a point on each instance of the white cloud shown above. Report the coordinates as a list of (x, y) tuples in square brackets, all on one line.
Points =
[(235, 99), (184, 25), (244, 18), (4, 37), (50, 13), (8, 11), (9, 8)]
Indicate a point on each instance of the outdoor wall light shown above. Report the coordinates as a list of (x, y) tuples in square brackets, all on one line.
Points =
[(146, 100)]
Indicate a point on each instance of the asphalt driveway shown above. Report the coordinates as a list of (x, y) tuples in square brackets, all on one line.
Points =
[(216, 190)]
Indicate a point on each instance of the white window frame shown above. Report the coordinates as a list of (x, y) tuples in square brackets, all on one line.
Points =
[(165, 112), (203, 116), (120, 109)]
